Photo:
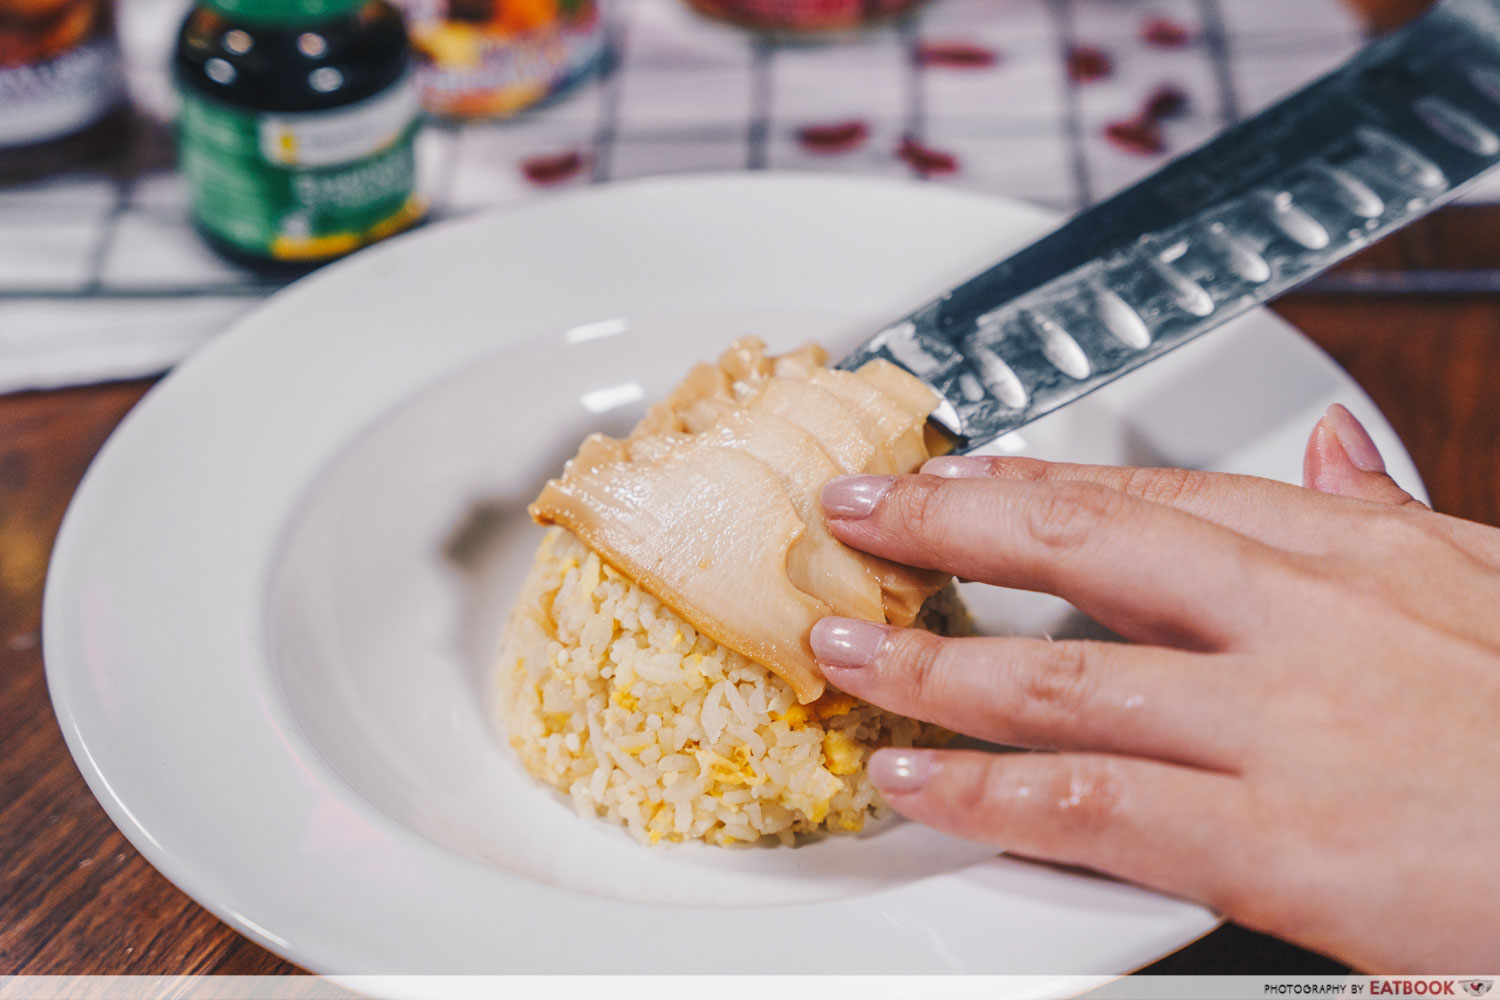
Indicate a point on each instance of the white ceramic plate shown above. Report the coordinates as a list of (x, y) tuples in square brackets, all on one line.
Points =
[(272, 603)]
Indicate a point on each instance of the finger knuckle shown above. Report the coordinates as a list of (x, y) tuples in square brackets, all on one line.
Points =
[(969, 793), (923, 669), (919, 503), (1349, 581), (1166, 486), (1068, 514), (1090, 795), (1400, 530), (1061, 681), (1029, 470), (1326, 586)]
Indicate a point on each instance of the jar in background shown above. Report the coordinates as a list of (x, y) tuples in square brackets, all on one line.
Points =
[(297, 126), (59, 75), (804, 16), (492, 58), (1381, 16)]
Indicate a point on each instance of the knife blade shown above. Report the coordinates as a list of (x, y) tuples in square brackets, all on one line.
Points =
[(1379, 142)]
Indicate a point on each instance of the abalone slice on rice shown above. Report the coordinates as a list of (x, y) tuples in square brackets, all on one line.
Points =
[(656, 666)]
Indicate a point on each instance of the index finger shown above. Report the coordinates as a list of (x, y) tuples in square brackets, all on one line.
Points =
[(1288, 517), (1277, 513)]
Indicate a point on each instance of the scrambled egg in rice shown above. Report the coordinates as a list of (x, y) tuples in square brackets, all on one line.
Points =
[(620, 703), (657, 667)]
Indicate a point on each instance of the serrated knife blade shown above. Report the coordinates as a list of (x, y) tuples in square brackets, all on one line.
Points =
[(1381, 141)]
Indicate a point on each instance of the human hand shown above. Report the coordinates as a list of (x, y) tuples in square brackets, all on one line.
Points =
[(1301, 733)]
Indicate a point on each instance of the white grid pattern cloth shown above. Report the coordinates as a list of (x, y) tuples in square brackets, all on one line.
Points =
[(103, 277)]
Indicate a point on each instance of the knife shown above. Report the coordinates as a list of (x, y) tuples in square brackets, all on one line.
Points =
[(1269, 203)]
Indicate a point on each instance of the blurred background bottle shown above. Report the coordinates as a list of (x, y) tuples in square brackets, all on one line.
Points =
[(1384, 15), (61, 86), (804, 16), (492, 58), (297, 126)]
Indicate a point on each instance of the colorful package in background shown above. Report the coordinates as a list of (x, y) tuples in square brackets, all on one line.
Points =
[(59, 68), (804, 16), (492, 58)]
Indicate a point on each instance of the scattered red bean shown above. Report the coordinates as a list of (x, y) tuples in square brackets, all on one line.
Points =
[(1087, 63), (924, 159), (1141, 136), (552, 168), (956, 55), (1165, 33), (1166, 101), (838, 137)]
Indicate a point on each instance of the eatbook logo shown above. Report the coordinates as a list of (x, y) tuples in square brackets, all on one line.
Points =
[(1478, 987)]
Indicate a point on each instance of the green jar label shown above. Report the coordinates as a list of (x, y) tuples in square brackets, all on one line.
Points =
[(304, 186)]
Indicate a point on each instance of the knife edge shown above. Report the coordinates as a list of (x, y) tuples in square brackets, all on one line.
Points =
[(1382, 140)]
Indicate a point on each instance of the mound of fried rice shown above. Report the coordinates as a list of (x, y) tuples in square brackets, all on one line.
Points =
[(608, 695)]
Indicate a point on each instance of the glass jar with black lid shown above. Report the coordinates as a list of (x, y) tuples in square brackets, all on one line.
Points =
[(297, 126)]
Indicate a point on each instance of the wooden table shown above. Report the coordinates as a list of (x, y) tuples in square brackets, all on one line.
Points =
[(78, 899)]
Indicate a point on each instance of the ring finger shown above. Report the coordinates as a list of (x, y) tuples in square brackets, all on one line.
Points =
[(1104, 696)]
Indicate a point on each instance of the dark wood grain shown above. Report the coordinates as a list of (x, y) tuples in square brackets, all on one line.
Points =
[(1443, 241), (78, 898), (1442, 352)]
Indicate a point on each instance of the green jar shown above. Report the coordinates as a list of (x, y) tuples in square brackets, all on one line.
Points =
[(297, 126)]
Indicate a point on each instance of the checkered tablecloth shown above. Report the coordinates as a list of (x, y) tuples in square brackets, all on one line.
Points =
[(102, 275)]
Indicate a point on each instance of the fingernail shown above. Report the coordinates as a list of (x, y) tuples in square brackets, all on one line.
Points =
[(854, 497), (1326, 467), (898, 772), (847, 642), (957, 467), (1354, 439)]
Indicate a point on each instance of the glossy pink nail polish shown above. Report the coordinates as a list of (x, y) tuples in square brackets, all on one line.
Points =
[(1323, 459), (1354, 439), (847, 642), (854, 497), (900, 772), (957, 467)]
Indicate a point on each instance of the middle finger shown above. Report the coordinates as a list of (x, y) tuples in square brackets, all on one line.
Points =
[(1148, 572), (1277, 513)]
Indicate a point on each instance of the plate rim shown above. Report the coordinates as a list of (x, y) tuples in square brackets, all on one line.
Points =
[(226, 345)]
